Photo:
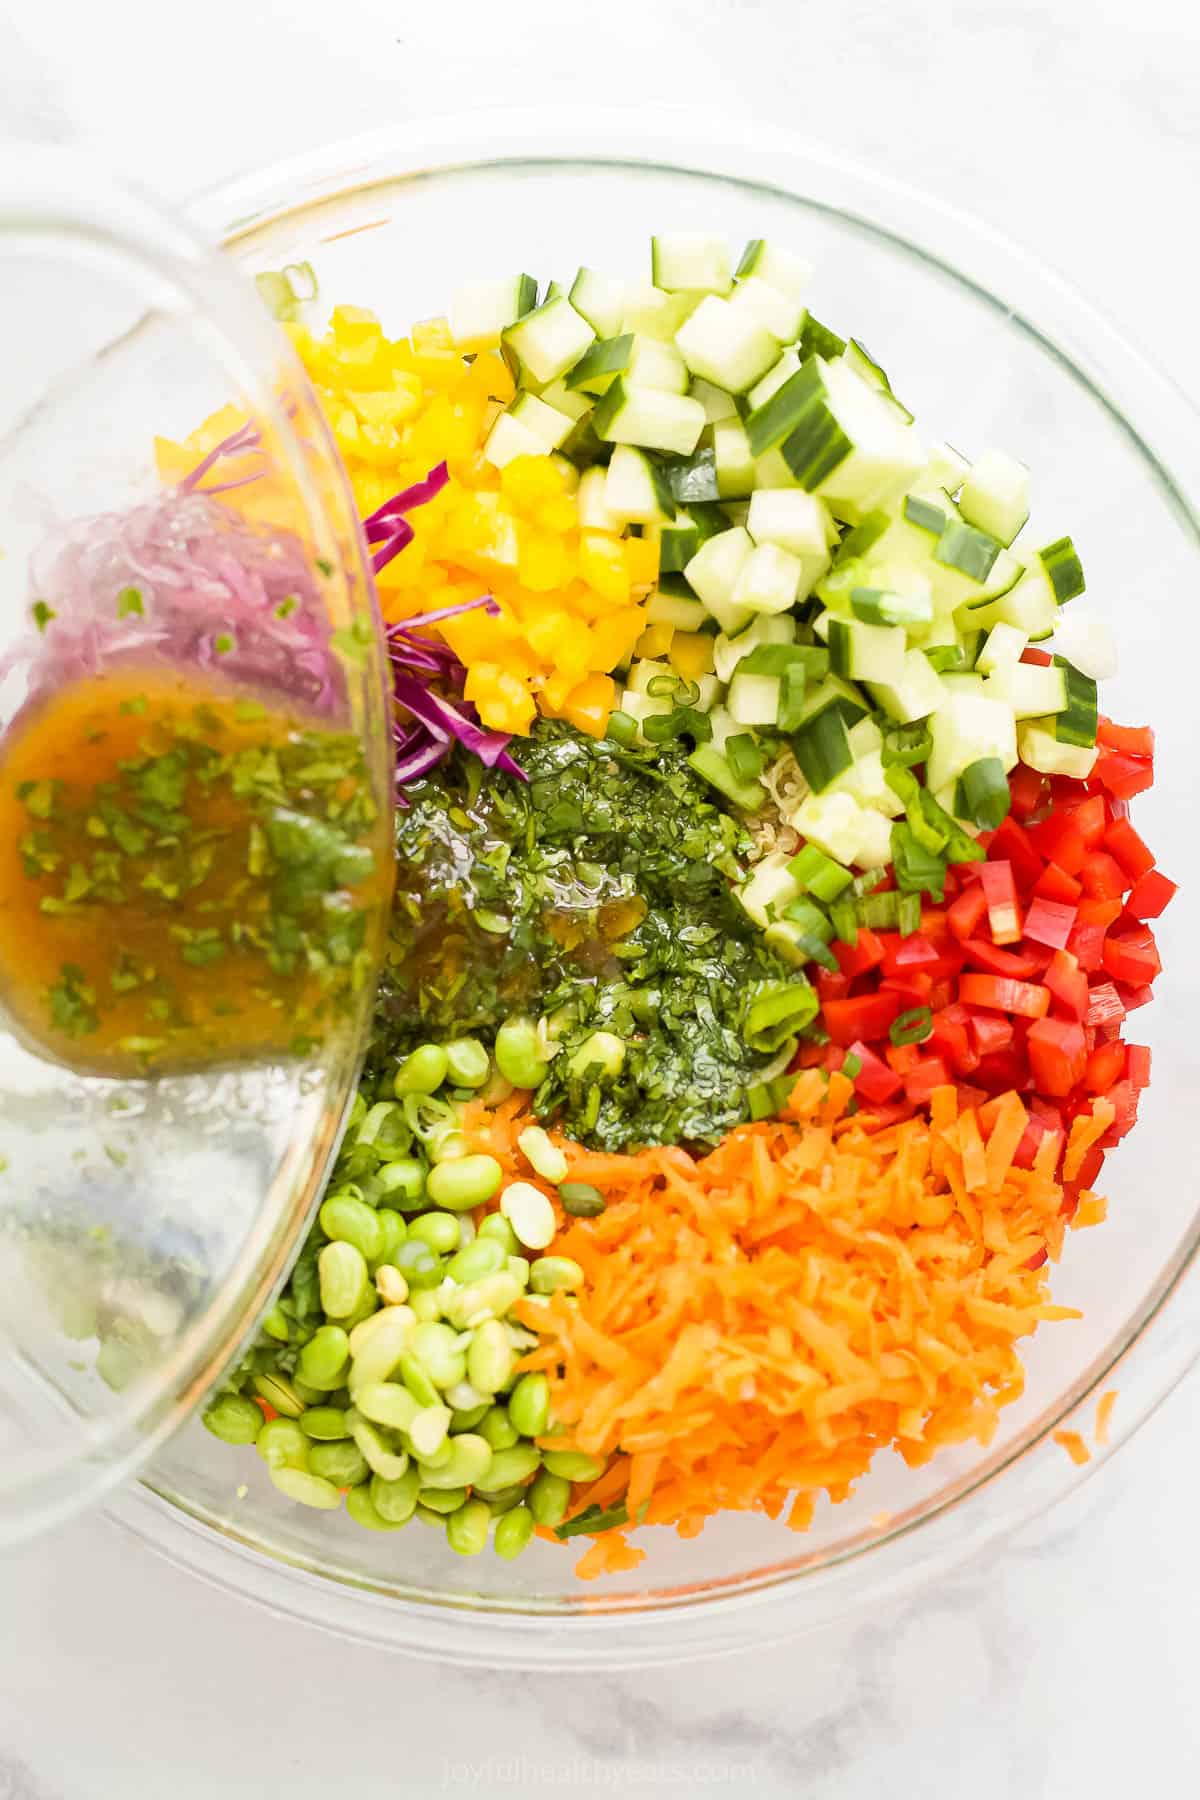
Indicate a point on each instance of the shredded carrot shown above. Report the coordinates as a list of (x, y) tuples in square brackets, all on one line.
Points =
[(1104, 1413), (1074, 1446), (756, 1324)]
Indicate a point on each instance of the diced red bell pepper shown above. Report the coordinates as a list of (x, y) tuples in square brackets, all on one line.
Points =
[(1091, 817), (964, 916), (1004, 909), (1151, 894), (930, 1073), (1123, 776), (1132, 957), (1041, 659), (1027, 789), (1019, 964), (1105, 1065), (911, 986), (874, 1081), (1105, 1006), (949, 1040), (1057, 1055), (1049, 922), (900, 1058), (1086, 945), (1133, 997), (1002, 1070), (1102, 876), (866, 1016), (1124, 1097), (991, 1031), (1130, 849), (1137, 1065), (1003, 994), (906, 954), (866, 954), (1010, 842), (1055, 884), (1094, 911), (1058, 839), (1135, 740), (1067, 982), (1090, 1167), (830, 986)]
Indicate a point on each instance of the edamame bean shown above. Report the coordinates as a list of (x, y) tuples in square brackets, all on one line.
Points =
[(418, 1380), (503, 1500), (393, 1229), (423, 1072), (402, 1181), (513, 1532), (548, 1498), (426, 1516), (469, 1461), (234, 1419), (488, 1298), (574, 1465), (322, 1362), (390, 1285), (327, 1424), (418, 1264), (544, 1158), (466, 1418), (498, 1428), (510, 1466), (518, 1268), (275, 1324), (363, 1511), (447, 1145), (278, 1392), (518, 1052), (307, 1489), (468, 1064), (462, 1397), (366, 1309), (490, 1357), (529, 1405), (311, 1396), (387, 1403), (396, 1501), (466, 1182), (497, 1226), (581, 1199), (529, 1213), (349, 1221), (443, 1500), (342, 1277), (381, 1456), (436, 1348), (427, 1433), (550, 1273), (426, 1304), (467, 1529), (344, 1464), (282, 1444), (385, 1128), (439, 1230), (479, 1258), (602, 1052), (378, 1344)]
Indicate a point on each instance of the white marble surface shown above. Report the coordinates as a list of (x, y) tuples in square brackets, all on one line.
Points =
[(1061, 1665)]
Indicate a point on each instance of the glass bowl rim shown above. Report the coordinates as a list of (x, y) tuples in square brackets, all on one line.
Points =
[(790, 1598)]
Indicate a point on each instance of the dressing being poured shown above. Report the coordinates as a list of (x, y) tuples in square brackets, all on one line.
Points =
[(187, 875)]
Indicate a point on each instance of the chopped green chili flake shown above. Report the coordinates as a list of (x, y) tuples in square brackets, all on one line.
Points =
[(42, 612), (129, 600)]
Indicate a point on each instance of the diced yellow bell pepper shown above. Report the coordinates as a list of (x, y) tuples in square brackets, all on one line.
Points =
[(588, 706), (543, 563), (602, 565), (691, 654), (641, 561), (354, 324), (655, 640)]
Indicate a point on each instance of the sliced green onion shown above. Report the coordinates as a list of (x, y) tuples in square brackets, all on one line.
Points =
[(851, 1065), (622, 729), (777, 1010), (822, 748), (817, 873), (746, 758), (912, 1027), (945, 659), (908, 915), (845, 922), (877, 912), (904, 746), (925, 514), (986, 797), (970, 551), (918, 870)]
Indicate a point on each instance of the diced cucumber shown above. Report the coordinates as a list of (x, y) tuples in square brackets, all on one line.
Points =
[(779, 372), (590, 500), (673, 609), (835, 693), (965, 728), (642, 673), (683, 261), (648, 418), (835, 824), (753, 699), (928, 515), (1064, 571), (1078, 720), (879, 606), (795, 520), (732, 459), (864, 736), (725, 346), (710, 762), (601, 363), (1042, 751), (551, 428), (769, 888), (821, 746), (782, 316), (716, 402), (654, 364), (481, 310), (1086, 642), (600, 299), (765, 628), (635, 491), (965, 681), (714, 571), (564, 400), (509, 438), (860, 652), (790, 274), (1029, 605), (995, 495), (858, 359), (874, 848), (945, 468), (1029, 691), (1002, 650), (866, 781), (688, 530), (839, 437), (652, 313), (772, 473), (641, 707), (769, 580), (550, 340)]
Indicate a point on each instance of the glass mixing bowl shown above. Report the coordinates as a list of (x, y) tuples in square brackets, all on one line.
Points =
[(988, 348)]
